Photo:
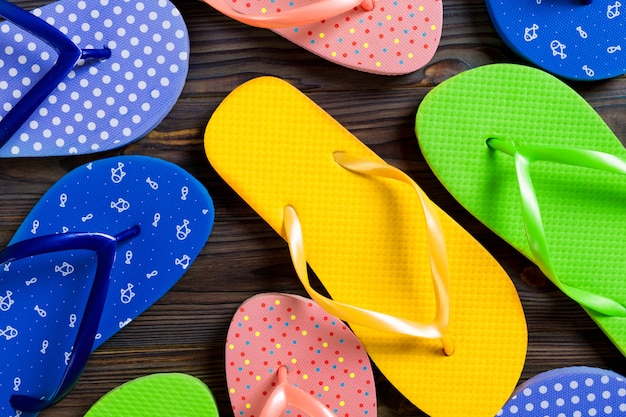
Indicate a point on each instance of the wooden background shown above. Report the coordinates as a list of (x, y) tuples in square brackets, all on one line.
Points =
[(185, 331)]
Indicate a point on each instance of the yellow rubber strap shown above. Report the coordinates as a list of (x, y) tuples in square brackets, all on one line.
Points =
[(437, 253)]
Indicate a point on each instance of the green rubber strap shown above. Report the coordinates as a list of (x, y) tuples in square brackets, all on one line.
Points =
[(535, 232)]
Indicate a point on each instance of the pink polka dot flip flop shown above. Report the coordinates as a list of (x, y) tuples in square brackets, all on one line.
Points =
[(580, 40), (78, 76), (287, 356), (387, 37)]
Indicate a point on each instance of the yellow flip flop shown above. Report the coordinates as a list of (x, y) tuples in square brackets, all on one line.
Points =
[(434, 310)]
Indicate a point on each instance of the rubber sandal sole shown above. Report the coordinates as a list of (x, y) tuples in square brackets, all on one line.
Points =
[(42, 299), (323, 357), (581, 208), (102, 104), (568, 39), (167, 394), (392, 39), (574, 391), (365, 240)]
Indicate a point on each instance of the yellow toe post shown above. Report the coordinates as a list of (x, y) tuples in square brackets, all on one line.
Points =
[(367, 241)]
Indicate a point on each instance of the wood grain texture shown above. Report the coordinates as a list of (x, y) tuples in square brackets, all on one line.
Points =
[(185, 331)]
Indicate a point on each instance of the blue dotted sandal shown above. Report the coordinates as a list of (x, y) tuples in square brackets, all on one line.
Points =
[(574, 391), (79, 76)]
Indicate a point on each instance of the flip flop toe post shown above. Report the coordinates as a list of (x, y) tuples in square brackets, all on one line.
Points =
[(359, 223), (101, 246), (284, 354)]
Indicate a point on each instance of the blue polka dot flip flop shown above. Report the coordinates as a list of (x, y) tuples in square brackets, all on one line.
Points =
[(573, 392), (81, 76), (167, 394), (101, 246), (578, 39)]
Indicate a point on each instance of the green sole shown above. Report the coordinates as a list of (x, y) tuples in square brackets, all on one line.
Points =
[(583, 210), (167, 394)]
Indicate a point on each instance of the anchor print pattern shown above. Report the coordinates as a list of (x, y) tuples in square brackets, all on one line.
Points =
[(42, 299), (568, 39)]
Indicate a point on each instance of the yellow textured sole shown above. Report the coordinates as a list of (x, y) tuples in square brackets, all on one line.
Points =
[(365, 239)]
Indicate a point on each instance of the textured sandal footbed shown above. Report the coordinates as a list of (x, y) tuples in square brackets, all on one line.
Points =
[(566, 38), (105, 104), (573, 391), (322, 355), (394, 38), (582, 209), (167, 394), (365, 239)]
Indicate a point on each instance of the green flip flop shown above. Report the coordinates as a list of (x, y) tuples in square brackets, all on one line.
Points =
[(533, 161), (166, 394)]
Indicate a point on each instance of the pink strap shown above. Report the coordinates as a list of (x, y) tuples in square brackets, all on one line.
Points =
[(286, 395), (311, 13)]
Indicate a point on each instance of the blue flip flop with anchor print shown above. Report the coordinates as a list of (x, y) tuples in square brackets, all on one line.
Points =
[(582, 40), (102, 245)]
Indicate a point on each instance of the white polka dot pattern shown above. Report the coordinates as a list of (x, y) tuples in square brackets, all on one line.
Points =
[(101, 104), (569, 392)]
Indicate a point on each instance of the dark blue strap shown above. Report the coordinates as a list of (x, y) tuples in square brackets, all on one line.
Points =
[(105, 247), (68, 56)]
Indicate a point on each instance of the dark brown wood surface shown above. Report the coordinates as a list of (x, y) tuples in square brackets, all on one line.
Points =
[(185, 331)]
